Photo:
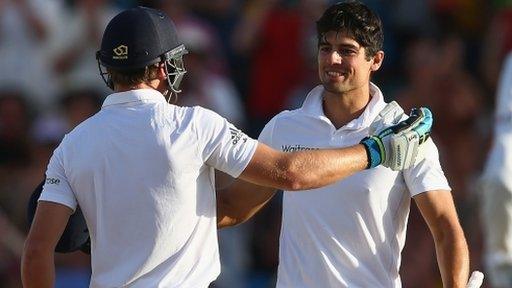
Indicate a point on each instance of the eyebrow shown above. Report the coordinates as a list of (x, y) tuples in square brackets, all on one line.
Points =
[(343, 45)]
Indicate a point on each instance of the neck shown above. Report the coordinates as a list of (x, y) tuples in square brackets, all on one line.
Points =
[(124, 88), (341, 108)]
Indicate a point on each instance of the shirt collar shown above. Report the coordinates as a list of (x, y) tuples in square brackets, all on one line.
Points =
[(313, 106), (139, 95)]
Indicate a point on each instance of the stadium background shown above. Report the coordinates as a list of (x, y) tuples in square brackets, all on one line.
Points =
[(248, 61)]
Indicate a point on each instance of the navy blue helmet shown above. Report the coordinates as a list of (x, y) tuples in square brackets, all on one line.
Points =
[(140, 37)]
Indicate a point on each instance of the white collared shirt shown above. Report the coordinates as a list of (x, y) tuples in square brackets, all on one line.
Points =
[(142, 172), (350, 233)]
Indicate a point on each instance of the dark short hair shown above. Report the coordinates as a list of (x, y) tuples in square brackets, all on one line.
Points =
[(133, 77), (355, 19)]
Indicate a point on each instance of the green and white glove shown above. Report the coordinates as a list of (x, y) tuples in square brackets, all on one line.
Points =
[(397, 146)]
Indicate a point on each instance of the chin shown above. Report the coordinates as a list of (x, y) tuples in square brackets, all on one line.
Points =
[(335, 89)]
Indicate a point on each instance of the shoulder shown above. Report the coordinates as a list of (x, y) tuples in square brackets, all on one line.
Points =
[(200, 111), (89, 126), (207, 123), (286, 116), (185, 116), (278, 125), (203, 116)]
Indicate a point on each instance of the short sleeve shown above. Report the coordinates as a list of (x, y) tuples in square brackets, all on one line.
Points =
[(426, 175), (56, 188), (223, 146)]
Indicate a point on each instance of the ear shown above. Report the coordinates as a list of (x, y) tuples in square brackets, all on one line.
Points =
[(161, 71), (377, 60)]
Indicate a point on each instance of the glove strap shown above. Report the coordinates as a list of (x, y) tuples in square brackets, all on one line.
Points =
[(374, 151)]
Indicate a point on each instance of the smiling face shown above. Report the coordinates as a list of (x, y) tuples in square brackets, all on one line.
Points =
[(350, 41), (343, 65)]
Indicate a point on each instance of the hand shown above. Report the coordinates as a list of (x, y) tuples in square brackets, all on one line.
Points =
[(397, 146)]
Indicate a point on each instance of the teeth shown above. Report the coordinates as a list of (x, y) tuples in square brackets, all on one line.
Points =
[(333, 74)]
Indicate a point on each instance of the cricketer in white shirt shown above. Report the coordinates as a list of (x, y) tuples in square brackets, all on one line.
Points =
[(142, 171), (149, 200), (351, 233)]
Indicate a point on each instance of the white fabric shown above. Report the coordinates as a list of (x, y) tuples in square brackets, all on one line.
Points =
[(142, 172), (351, 233), (496, 184)]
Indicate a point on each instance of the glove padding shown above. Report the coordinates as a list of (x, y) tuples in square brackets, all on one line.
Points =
[(397, 147), (75, 236), (389, 116)]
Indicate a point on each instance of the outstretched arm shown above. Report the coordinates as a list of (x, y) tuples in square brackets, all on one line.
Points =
[(439, 212), (316, 168), (305, 169), (395, 147), (288, 171)]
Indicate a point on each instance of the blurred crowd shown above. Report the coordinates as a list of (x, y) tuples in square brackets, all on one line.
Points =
[(248, 61)]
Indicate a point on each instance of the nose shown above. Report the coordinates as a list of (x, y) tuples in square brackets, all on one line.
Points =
[(334, 57)]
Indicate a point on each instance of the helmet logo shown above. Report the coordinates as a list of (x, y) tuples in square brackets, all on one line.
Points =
[(121, 52)]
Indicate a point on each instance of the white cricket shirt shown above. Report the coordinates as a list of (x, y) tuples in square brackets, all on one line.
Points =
[(350, 233), (142, 171)]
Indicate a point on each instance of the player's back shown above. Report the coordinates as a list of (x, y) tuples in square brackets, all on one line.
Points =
[(139, 178)]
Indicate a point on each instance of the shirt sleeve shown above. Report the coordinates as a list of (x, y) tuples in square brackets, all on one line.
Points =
[(223, 146), (426, 175), (56, 188)]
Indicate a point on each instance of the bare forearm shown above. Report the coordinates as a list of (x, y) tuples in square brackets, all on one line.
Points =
[(270, 169), (303, 170), (37, 270), (239, 202), (37, 264), (453, 259), (329, 167), (438, 210)]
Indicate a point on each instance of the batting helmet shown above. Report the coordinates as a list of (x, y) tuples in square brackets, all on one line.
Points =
[(75, 236), (139, 37)]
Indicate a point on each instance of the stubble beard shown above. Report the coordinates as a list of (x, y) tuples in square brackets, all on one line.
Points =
[(336, 88)]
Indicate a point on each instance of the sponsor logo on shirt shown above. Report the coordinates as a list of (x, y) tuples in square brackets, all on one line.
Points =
[(237, 135), (52, 181), (296, 147)]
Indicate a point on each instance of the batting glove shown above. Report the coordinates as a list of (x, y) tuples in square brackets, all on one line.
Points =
[(397, 146)]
